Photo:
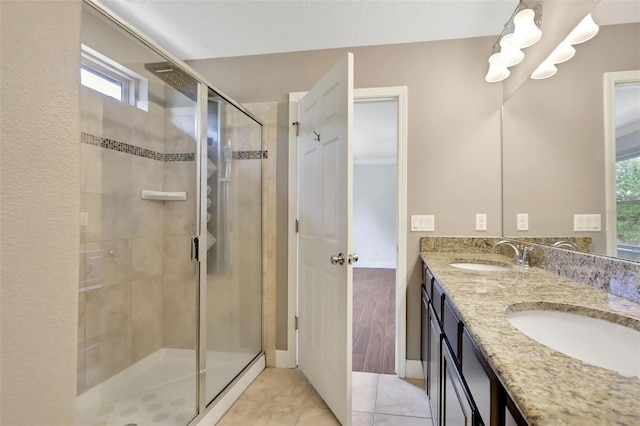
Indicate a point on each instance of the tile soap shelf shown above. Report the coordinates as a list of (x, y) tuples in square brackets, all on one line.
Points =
[(147, 194)]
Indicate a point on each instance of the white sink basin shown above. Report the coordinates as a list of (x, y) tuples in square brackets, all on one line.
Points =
[(479, 267), (594, 341)]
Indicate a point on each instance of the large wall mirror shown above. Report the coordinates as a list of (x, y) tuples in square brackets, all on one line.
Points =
[(555, 159)]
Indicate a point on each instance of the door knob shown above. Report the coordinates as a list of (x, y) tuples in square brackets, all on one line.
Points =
[(353, 258), (337, 260)]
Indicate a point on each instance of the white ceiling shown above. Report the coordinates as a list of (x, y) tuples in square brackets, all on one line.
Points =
[(215, 28)]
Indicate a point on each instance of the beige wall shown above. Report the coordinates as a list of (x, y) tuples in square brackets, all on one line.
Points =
[(454, 159), (554, 139), (40, 204)]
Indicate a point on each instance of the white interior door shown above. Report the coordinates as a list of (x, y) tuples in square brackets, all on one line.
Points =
[(325, 211)]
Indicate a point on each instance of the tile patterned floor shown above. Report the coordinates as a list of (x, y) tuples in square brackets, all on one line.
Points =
[(284, 397)]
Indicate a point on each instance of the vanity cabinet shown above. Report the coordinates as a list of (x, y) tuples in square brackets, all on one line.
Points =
[(463, 389)]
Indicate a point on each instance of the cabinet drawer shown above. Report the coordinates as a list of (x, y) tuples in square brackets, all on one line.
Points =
[(452, 327), (437, 299), (428, 282)]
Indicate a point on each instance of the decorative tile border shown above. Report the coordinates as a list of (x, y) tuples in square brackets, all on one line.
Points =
[(126, 148), (249, 155)]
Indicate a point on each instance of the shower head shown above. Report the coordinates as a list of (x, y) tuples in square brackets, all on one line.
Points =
[(175, 77)]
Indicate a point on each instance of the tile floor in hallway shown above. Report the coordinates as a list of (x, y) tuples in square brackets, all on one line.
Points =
[(283, 397)]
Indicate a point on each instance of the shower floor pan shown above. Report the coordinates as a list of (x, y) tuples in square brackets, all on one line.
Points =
[(157, 390)]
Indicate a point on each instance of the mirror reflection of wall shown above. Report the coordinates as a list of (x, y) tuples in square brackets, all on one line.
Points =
[(554, 135)]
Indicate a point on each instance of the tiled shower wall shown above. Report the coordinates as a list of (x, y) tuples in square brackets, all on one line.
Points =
[(134, 253)]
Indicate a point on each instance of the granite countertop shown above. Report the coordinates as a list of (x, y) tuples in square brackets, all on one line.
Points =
[(550, 388)]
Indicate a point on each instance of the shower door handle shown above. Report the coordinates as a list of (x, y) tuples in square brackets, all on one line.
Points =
[(195, 249)]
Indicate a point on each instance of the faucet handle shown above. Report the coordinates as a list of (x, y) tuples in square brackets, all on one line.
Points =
[(524, 261)]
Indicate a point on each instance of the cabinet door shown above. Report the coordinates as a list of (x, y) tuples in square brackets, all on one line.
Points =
[(435, 344), (452, 327), (481, 381), (424, 341), (457, 408)]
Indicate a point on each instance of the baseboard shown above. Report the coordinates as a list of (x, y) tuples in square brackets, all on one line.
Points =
[(285, 359), (223, 404), (413, 369), (375, 265)]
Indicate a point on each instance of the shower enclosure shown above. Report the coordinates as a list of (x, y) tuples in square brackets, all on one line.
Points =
[(170, 289)]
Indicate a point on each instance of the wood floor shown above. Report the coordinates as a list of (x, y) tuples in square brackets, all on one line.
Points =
[(374, 310)]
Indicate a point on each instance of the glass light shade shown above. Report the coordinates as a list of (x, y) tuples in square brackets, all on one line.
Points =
[(509, 54), (562, 53), (526, 31), (585, 30), (497, 71), (545, 70)]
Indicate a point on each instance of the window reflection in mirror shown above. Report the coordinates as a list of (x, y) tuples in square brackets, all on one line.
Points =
[(627, 169)]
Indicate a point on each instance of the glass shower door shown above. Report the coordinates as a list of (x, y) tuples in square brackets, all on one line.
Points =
[(234, 244), (137, 323)]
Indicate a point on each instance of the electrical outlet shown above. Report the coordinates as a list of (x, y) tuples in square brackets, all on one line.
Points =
[(522, 221), (481, 222)]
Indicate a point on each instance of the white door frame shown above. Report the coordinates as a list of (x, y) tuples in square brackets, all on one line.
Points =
[(288, 358), (611, 79)]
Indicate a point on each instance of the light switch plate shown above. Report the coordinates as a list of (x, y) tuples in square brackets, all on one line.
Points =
[(522, 221), (422, 223), (587, 222), (430, 223), (481, 222)]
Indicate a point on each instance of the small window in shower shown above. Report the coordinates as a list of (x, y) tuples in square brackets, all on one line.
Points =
[(102, 83), (112, 79)]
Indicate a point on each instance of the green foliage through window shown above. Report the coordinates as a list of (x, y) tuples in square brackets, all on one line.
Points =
[(628, 201)]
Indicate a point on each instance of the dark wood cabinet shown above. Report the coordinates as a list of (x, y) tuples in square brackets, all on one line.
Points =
[(463, 389)]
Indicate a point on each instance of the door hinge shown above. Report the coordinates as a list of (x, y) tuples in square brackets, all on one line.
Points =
[(297, 124), (296, 321), (297, 226), (195, 249)]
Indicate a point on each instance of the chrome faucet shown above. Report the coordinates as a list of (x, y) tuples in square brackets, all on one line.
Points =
[(568, 244), (521, 253)]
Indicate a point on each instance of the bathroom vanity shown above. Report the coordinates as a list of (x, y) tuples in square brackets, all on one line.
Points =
[(481, 370)]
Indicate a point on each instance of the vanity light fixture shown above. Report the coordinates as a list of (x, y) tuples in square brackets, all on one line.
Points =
[(584, 31), (521, 30), (527, 32), (497, 70)]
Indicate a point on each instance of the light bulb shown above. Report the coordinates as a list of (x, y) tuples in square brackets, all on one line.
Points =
[(526, 31), (509, 54), (545, 70), (562, 53), (584, 31), (497, 71)]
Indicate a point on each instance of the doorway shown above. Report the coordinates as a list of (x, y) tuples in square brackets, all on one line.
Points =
[(375, 140), (288, 358)]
